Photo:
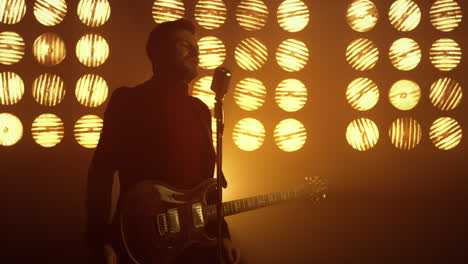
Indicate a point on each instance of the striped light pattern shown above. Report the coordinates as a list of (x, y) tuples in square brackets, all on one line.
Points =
[(48, 89), (87, 130), (11, 47), (292, 55), (362, 15), (252, 14), (446, 94), (445, 133), (11, 129), (47, 130), (250, 94), (11, 88), (49, 49), (167, 10), (210, 14), (446, 15), (50, 12), (362, 134), (213, 132), (248, 134), (445, 54), (405, 133), (362, 94), (212, 52), (12, 11), (92, 50), (290, 135), (293, 15), (251, 54), (291, 95), (404, 95), (405, 54), (91, 90), (362, 54), (404, 15), (202, 90), (94, 13)]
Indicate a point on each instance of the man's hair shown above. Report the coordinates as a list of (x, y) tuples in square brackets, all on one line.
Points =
[(160, 37)]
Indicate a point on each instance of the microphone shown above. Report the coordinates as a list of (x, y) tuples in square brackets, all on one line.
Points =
[(220, 83)]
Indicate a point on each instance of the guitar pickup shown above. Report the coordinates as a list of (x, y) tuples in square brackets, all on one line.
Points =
[(174, 222), (161, 220), (197, 215)]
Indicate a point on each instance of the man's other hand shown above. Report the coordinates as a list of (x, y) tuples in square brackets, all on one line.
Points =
[(232, 253)]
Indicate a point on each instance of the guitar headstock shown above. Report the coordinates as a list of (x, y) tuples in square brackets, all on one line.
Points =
[(315, 188)]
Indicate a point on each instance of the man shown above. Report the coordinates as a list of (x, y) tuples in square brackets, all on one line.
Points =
[(153, 131)]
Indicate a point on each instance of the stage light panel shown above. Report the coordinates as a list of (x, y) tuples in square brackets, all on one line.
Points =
[(404, 15), (210, 14), (362, 54), (50, 12), (290, 135), (11, 88), (362, 134), (87, 130), (291, 95), (446, 94), (94, 13), (251, 54), (405, 54), (48, 89), (12, 11), (252, 14), (212, 52), (47, 130), (445, 54), (250, 94), (248, 134), (91, 90), (445, 15), (445, 133), (11, 47), (11, 129), (167, 10), (292, 55), (92, 50), (202, 90), (293, 15), (362, 94), (49, 49), (405, 133), (404, 95), (362, 15)]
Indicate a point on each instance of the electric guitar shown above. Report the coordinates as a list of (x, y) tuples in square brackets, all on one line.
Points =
[(157, 222)]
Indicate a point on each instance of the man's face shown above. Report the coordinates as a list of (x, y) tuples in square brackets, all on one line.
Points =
[(185, 55)]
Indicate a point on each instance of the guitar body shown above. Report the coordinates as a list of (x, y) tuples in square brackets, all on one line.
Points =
[(157, 222)]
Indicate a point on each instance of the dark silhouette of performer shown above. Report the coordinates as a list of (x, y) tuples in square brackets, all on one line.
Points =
[(153, 131)]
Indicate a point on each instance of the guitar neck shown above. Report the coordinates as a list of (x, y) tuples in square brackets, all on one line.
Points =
[(255, 202)]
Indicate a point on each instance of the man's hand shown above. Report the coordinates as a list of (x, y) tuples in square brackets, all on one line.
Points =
[(232, 253), (110, 255)]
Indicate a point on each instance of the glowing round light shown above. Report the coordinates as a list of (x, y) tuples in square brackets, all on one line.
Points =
[(446, 15), (91, 90), (362, 134), (405, 54), (48, 89), (291, 95), (362, 15), (11, 47), (405, 133), (87, 130), (362, 54), (212, 52), (293, 15), (362, 94), (250, 94), (49, 49), (292, 55), (404, 95), (446, 94), (11, 88), (11, 129), (167, 10), (47, 130), (251, 54), (50, 12), (210, 14), (404, 15), (12, 11), (92, 50), (290, 135), (445, 133), (94, 13), (445, 54), (202, 90), (248, 134), (252, 14)]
